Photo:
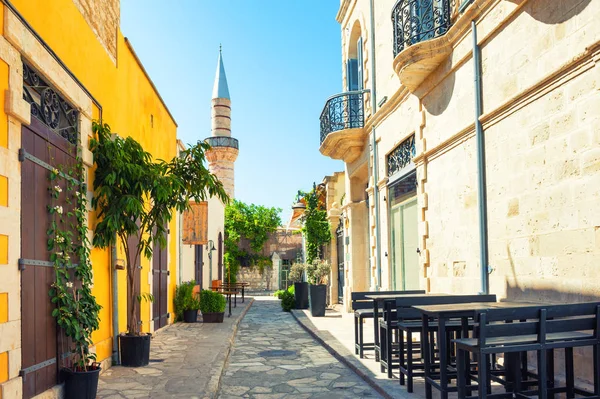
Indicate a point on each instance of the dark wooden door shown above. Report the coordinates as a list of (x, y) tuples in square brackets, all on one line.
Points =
[(220, 258), (198, 264), (41, 350), (160, 272)]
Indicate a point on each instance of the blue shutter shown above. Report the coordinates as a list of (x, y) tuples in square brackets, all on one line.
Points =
[(351, 75), (359, 61)]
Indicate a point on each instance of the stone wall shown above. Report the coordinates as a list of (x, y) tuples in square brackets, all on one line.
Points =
[(267, 281), (103, 16)]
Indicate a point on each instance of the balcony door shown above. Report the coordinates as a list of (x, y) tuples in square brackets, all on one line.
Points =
[(404, 236)]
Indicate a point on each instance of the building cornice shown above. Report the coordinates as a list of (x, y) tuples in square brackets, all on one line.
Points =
[(344, 5)]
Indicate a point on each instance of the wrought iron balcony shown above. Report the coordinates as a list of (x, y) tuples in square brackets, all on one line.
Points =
[(342, 111), (415, 21), (342, 122), (222, 141)]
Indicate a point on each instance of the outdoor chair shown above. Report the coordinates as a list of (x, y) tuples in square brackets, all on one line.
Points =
[(363, 309), (516, 331)]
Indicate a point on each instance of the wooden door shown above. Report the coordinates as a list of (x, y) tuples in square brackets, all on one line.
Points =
[(198, 264), (42, 352), (220, 258), (160, 272)]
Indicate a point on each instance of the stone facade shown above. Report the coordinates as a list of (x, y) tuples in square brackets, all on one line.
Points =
[(103, 17), (282, 245), (541, 101)]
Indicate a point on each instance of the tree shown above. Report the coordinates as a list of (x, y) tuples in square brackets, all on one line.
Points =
[(135, 196), (253, 222)]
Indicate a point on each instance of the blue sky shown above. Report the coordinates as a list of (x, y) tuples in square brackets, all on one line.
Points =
[(282, 59)]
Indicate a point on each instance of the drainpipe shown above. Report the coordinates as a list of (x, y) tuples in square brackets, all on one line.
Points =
[(115, 305), (374, 146), (480, 137)]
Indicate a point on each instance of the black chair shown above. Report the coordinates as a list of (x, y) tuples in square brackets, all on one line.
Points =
[(515, 331), (363, 309)]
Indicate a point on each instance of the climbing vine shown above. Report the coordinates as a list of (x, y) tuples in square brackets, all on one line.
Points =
[(76, 310), (254, 223), (315, 225)]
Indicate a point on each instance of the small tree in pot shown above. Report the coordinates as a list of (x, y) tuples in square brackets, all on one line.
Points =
[(296, 276), (212, 306), (135, 197), (186, 303), (318, 273)]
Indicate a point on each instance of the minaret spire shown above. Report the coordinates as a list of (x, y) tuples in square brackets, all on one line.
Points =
[(221, 157), (220, 89)]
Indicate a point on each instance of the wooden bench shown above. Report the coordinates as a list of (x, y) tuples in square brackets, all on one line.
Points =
[(363, 309), (515, 331)]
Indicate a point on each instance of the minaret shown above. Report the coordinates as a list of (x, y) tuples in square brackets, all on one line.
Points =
[(224, 151)]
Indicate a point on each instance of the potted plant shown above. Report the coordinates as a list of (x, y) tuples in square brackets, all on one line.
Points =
[(186, 303), (75, 307), (135, 197), (212, 306), (318, 272), (296, 275)]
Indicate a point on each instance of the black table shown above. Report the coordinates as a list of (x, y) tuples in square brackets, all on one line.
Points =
[(443, 313), (380, 299)]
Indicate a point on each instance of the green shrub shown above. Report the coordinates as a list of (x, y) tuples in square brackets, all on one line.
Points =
[(287, 301), (185, 299), (212, 302), (291, 289), (278, 294)]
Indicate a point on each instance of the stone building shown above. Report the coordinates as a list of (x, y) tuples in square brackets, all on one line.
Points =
[(470, 132), (283, 247), (204, 263)]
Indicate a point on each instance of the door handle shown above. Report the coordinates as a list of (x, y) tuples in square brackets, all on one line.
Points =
[(418, 251)]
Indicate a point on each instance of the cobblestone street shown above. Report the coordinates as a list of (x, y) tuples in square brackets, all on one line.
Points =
[(274, 357)]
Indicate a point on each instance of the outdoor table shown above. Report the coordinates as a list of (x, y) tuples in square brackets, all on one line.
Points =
[(443, 313), (379, 299)]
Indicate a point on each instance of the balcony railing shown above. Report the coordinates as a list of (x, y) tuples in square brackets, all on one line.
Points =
[(415, 21), (342, 111), (222, 141)]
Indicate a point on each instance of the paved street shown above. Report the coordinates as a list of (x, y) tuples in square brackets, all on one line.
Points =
[(274, 357), (186, 362)]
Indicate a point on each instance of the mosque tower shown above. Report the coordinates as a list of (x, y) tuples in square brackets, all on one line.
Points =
[(221, 157)]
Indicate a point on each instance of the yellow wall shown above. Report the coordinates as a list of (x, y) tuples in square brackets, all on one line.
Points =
[(128, 100)]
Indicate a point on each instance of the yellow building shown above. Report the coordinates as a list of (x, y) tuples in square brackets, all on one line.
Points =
[(431, 86), (64, 63)]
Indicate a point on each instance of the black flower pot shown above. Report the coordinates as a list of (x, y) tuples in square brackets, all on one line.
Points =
[(81, 384), (190, 316), (135, 350), (317, 299), (301, 295), (213, 317)]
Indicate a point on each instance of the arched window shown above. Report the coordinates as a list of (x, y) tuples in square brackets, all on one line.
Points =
[(354, 63)]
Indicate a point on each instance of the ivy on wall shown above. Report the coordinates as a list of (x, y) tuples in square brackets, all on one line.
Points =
[(254, 223), (315, 225)]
